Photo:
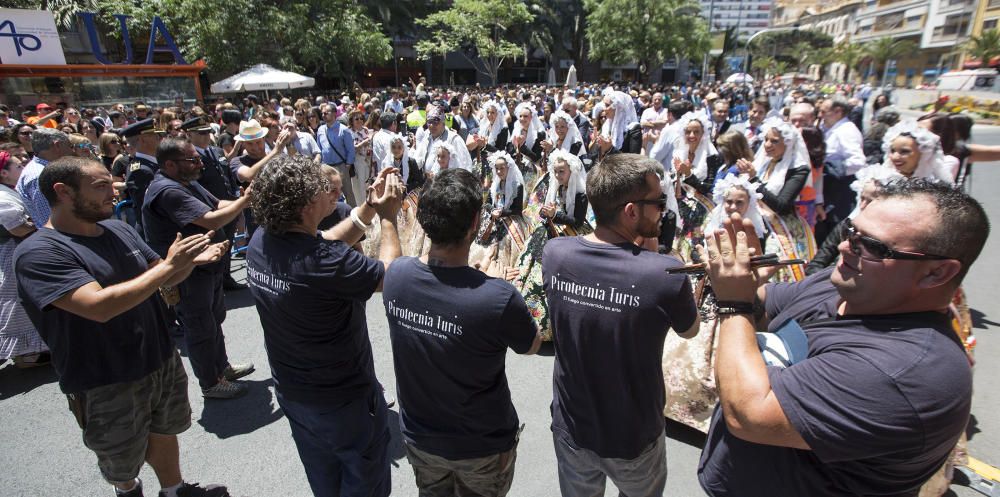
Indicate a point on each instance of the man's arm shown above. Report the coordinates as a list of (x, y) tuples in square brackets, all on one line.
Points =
[(983, 153), (96, 303), (853, 146), (749, 406), (227, 211), (247, 174)]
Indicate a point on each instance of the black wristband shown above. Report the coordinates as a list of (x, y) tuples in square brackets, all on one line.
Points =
[(726, 308)]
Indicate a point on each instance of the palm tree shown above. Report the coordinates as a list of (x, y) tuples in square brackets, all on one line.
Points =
[(781, 67), (848, 54), (984, 47), (764, 64), (885, 49)]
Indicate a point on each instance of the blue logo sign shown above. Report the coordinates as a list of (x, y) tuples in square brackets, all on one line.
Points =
[(20, 40)]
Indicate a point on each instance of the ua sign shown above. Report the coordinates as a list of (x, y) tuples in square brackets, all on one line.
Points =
[(156, 27)]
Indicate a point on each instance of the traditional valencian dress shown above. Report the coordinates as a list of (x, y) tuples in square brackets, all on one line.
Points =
[(570, 219)]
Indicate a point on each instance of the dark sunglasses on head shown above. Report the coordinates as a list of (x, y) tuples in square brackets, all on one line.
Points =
[(874, 249)]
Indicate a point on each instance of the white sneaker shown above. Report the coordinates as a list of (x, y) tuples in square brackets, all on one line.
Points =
[(224, 390)]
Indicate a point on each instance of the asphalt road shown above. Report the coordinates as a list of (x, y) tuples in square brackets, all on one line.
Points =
[(246, 443)]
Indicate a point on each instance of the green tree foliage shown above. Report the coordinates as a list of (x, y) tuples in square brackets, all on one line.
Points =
[(478, 29), (764, 65), (849, 54), (795, 48), (326, 38), (884, 49), (64, 11), (645, 31), (985, 46)]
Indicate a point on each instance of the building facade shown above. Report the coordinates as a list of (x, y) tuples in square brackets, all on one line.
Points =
[(747, 16)]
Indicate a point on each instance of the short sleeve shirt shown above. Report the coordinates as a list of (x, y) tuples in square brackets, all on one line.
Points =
[(610, 307), (87, 354), (881, 400), (171, 207), (311, 294), (450, 331)]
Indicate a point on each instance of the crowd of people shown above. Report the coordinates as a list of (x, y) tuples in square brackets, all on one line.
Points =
[(812, 223)]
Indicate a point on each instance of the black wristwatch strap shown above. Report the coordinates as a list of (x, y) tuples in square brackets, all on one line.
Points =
[(732, 307)]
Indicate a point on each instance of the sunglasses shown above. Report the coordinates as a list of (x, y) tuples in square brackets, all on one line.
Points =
[(25, 133), (660, 203), (196, 160), (874, 249)]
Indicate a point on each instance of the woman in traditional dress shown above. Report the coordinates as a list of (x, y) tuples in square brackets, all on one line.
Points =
[(621, 124), (525, 144), (399, 158), (563, 135), (490, 137), (503, 229), (18, 338), (362, 154), (689, 365), (563, 213), (688, 185), (780, 171)]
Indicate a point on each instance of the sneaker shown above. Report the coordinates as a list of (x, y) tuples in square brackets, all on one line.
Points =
[(29, 361), (237, 371), (195, 490), (135, 492), (224, 390)]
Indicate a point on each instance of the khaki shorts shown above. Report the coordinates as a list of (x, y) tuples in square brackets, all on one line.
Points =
[(489, 476), (117, 419)]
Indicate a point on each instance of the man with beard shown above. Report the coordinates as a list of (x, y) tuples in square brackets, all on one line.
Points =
[(611, 303), (254, 156), (877, 387), (216, 177), (89, 285), (176, 203)]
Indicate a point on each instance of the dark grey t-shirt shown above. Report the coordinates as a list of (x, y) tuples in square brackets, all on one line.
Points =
[(450, 330), (610, 307), (881, 400)]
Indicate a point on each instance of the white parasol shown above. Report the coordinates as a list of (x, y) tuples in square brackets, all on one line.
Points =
[(262, 77)]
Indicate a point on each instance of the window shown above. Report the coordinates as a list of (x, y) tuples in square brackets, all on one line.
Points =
[(989, 24)]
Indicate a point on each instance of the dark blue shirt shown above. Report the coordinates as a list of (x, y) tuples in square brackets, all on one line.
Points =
[(171, 207), (450, 331), (610, 307), (87, 354), (881, 400), (311, 295)]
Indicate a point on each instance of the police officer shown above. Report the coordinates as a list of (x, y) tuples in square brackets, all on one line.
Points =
[(143, 137), (177, 203), (217, 178)]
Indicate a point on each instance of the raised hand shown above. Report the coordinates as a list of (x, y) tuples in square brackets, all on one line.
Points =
[(728, 254), (182, 252), (388, 203), (213, 253)]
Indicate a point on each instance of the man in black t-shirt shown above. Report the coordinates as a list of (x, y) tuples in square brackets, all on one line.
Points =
[(310, 289), (176, 203), (89, 285), (881, 388), (611, 304), (451, 326)]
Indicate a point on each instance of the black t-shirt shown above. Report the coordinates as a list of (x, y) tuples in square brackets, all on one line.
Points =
[(237, 162), (341, 212), (171, 207), (311, 295), (610, 307), (881, 400), (450, 331), (87, 354)]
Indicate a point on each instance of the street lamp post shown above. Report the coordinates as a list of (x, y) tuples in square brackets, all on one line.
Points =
[(746, 47)]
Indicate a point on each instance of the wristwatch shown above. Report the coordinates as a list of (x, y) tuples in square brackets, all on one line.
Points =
[(726, 308)]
